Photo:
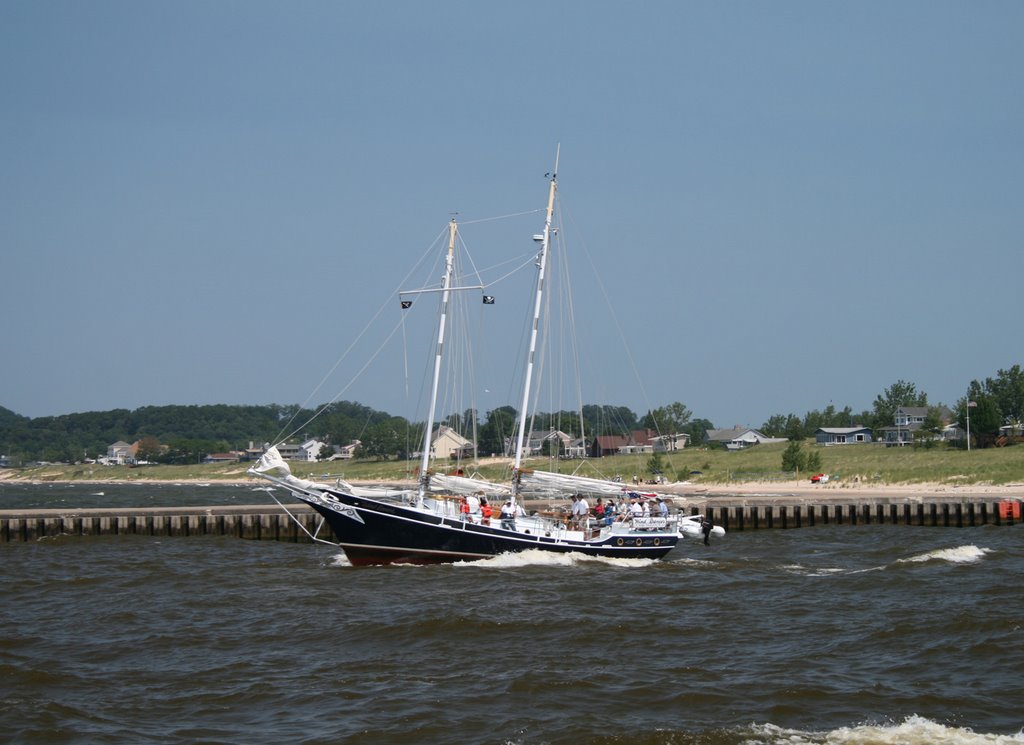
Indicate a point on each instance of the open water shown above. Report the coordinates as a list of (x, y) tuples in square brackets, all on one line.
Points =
[(834, 634)]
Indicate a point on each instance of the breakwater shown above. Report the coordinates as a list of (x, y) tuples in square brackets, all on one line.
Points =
[(257, 522), (267, 522)]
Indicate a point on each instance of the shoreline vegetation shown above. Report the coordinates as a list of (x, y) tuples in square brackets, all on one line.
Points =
[(852, 469)]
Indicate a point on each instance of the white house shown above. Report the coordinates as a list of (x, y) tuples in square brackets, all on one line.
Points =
[(310, 450), (670, 443), (738, 437), (120, 453), (538, 440), (447, 443)]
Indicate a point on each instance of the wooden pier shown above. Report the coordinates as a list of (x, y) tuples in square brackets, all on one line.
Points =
[(267, 522), (256, 522), (948, 513)]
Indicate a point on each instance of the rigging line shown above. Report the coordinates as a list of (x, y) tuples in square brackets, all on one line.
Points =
[(339, 394), (526, 263), (618, 326), (405, 357), (526, 256), (500, 217), (355, 341), (571, 311)]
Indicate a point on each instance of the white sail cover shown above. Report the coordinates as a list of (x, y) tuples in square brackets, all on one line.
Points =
[(545, 481), (272, 461), (467, 486)]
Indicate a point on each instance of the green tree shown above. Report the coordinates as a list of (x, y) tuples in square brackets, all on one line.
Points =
[(500, 425), (900, 393), (1007, 388), (668, 420), (985, 417), (931, 428), (793, 457), (794, 429), (775, 426), (383, 440), (655, 464), (697, 429)]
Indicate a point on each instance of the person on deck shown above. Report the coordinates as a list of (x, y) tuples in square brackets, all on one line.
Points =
[(609, 512), (463, 509), (584, 509), (485, 511), (508, 516)]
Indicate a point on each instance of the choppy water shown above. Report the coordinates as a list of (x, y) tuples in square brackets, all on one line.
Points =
[(81, 495), (837, 634)]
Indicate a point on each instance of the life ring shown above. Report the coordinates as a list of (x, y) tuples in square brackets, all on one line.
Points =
[(657, 541), (619, 542), (639, 541)]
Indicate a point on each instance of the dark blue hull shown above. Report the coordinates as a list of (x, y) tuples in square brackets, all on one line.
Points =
[(375, 532)]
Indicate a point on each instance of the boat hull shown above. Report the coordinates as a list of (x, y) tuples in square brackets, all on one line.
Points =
[(376, 532)]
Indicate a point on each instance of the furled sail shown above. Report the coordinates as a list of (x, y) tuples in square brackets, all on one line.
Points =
[(547, 482), (467, 486), (272, 461)]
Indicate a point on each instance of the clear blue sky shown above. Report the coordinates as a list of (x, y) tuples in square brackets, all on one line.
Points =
[(800, 202)]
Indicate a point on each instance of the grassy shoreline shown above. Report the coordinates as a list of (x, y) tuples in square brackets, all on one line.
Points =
[(850, 464)]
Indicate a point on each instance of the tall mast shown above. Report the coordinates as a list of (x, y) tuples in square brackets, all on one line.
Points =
[(446, 282), (542, 259)]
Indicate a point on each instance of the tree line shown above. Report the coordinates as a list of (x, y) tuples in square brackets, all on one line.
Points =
[(186, 434), (990, 403)]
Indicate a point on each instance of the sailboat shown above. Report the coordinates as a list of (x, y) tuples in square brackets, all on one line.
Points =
[(425, 529)]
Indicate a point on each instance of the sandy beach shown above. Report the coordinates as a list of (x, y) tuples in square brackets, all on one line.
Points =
[(793, 491)]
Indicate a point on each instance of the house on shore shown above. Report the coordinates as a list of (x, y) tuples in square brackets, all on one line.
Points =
[(908, 422), (842, 435), (120, 453), (222, 458), (637, 441), (739, 438), (447, 443), (307, 451), (670, 443)]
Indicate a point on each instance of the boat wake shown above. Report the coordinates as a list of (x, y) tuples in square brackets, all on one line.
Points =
[(512, 560), (552, 559), (958, 555), (914, 730)]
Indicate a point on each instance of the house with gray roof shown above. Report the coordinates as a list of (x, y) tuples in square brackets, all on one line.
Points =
[(907, 423), (738, 437), (842, 435)]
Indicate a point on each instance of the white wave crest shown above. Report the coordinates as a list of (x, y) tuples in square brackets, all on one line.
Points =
[(535, 557), (914, 730), (958, 555), (801, 570), (339, 560)]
